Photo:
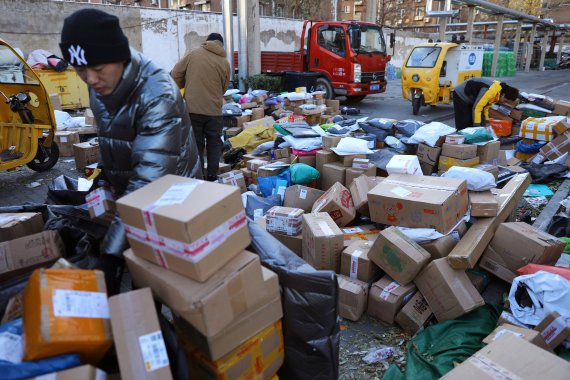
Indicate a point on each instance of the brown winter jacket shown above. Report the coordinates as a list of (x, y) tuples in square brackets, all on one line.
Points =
[(204, 73)]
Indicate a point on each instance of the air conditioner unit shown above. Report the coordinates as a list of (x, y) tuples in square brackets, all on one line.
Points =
[(426, 19)]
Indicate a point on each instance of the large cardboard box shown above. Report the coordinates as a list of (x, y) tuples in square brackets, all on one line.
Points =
[(209, 306), (489, 153), (553, 329), (517, 244), (285, 220), (233, 178), (428, 169), (332, 173), (505, 329), (65, 141), (539, 128), (352, 174), (352, 297), (428, 154), (356, 264), (302, 197), (419, 202), (252, 321), (448, 291), (330, 142), (294, 243), (483, 203), (460, 151), (387, 298), (337, 202), (324, 157), (323, 241), (414, 315), (138, 339), (84, 372), (441, 247), (101, 203), (347, 160), (307, 160), (562, 108), (86, 153), (363, 232), (188, 226), (359, 189), (511, 358), (17, 225), (23, 254), (402, 164), (399, 256), (497, 115), (447, 162), (557, 147)]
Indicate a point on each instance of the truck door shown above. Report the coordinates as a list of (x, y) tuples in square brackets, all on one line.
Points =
[(328, 52)]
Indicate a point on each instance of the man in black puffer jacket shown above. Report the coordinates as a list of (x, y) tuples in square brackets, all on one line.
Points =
[(144, 127)]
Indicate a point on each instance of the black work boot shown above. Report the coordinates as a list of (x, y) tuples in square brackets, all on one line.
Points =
[(212, 178)]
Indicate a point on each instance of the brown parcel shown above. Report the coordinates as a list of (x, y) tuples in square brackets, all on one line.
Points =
[(84, 372), (29, 252), (209, 306), (553, 329), (17, 225), (419, 202), (489, 153), (294, 243), (428, 154), (363, 232), (399, 256), (387, 298), (337, 202), (323, 157), (233, 178), (352, 298), (85, 154), (352, 174), (302, 197), (65, 141), (448, 291), (517, 244), (441, 247), (483, 203), (414, 315), (322, 241), (356, 264), (285, 220), (511, 358), (359, 189), (255, 319), (557, 147), (460, 151), (348, 159), (138, 339), (428, 169), (205, 229), (332, 173), (330, 142), (529, 335)]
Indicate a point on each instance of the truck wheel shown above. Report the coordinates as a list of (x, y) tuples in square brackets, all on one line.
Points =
[(355, 98), (416, 104), (45, 158), (323, 84)]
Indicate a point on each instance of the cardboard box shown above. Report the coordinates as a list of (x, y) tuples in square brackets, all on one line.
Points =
[(17, 225), (505, 329), (307, 160), (66, 311), (483, 203), (89, 117), (561, 127), (441, 247), (352, 298), (493, 169), (302, 197), (562, 108), (359, 189), (387, 297), (361, 163), (85, 153), (84, 372), (23, 254), (55, 102), (347, 160), (539, 128), (414, 315), (447, 162), (256, 163), (222, 168), (267, 121), (257, 113), (419, 202), (337, 202), (497, 115), (402, 164), (460, 151), (209, 306), (516, 115), (454, 139), (234, 131), (331, 174), (557, 147), (448, 291), (517, 244), (285, 220), (334, 104), (356, 264), (233, 178), (511, 358), (254, 320), (324, 157), (427, 154), (399, 256), (65, 141), (489, 153), (553, 329), (365, 232), (248, 157), (258, 357), (101, 203), (322, 241), (330, 142), (294, 243), (428, 169), (138, 339), (352, 174), (200, 225)]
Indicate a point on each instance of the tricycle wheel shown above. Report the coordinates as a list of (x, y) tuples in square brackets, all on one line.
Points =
[(45, 158), (416, 104)]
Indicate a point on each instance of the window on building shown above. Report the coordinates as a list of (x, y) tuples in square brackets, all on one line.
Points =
[(347, 9), (419, 13), (279, 10), (262, 9), (402, 13), (332, 39)]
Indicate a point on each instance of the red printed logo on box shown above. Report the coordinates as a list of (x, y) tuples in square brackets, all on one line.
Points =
[(335, 214), (346, 199)]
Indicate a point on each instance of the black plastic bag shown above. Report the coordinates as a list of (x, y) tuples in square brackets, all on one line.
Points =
[(310, 317), (381, 157), (63, 190), (545, 173), (373, 129), (559, 226)]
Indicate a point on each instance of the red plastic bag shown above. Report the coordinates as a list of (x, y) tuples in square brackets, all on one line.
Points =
[(533, 268)]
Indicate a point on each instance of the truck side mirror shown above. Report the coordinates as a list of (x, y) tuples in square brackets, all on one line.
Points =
[(392, 40)]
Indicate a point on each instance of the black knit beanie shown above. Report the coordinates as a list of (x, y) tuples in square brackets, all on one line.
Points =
[(92, 37)]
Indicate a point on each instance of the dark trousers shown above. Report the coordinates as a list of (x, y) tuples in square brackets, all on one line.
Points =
[(463, 113), (208, 134)]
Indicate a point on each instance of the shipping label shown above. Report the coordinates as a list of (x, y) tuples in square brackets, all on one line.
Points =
[(388, 290), (153, 351), (80, 304), (553, 329), (177, 193), (11, 347)]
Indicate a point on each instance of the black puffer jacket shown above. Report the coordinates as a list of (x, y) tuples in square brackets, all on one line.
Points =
[(144, 133)]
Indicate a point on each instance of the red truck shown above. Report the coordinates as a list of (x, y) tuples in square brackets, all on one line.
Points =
[(341, 58)]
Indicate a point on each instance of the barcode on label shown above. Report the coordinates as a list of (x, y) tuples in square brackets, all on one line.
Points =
[(153, 351)]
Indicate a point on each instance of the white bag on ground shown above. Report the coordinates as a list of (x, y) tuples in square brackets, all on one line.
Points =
[(351, 145), (430, 133), (547, 292), (477, 179)]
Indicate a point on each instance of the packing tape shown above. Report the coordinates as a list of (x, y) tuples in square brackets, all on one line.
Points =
[(553, 329), (236, 293), (494, 370), (354, 263), (388, 290), (327, 230), (150, 225)]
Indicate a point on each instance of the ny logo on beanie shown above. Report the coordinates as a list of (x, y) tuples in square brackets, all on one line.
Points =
[(77, 55)]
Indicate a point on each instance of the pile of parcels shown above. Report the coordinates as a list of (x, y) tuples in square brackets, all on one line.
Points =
[(188, 241)]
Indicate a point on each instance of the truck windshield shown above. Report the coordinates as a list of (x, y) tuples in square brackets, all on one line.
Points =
[(424, 56), (371, 40)]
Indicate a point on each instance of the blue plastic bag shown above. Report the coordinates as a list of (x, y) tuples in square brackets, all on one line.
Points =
[(267, 184)]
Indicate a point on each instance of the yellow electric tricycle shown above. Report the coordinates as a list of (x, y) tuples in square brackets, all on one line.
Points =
[(432, 70), (27, 121)]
